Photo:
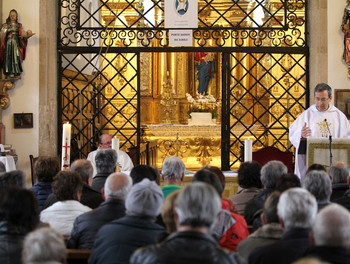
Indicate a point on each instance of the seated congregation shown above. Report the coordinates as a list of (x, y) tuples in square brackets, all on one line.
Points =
[(120, 217)]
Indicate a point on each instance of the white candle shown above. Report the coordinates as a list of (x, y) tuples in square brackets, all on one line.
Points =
[(167, 73), (248, 149), (115, 143), (66, 136)]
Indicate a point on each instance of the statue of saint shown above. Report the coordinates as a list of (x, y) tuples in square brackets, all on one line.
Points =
[(205, 66), (345, 27), (13, 45)]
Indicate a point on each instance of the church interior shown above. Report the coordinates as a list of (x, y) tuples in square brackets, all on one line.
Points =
[(107, 67), (126, 127)]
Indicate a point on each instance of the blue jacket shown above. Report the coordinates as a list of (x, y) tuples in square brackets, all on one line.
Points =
[(116, 241), (41, 191)]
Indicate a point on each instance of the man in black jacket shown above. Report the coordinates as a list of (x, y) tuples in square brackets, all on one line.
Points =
[(86, 226), (198, 205), (331, 235), (106, 160)]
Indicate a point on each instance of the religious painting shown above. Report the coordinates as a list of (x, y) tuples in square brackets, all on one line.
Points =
[(23, 120), (342, 101)]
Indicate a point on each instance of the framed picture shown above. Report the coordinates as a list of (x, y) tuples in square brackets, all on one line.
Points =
[(23, 120), (342, 101)]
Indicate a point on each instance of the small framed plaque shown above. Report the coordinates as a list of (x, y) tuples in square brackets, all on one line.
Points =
[(23, 120), (342, 101)]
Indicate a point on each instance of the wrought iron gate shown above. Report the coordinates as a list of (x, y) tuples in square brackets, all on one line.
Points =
[(264, 67)]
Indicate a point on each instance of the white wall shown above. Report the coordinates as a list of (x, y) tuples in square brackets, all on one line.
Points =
[(337, 68), (25, 95)]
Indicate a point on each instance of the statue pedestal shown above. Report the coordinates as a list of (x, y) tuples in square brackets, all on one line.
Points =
[(201, 118)]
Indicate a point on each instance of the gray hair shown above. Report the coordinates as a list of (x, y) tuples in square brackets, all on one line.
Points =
[(44, 245), (198, 205), (319, 184), (118, 185), (12, 178), (297, 208), (270, 207), (173, 168), (83, 168), (338, 174), (271, 172), (106, 161), (332, 227), (323, 87)]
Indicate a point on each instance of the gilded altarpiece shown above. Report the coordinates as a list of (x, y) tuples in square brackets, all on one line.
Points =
[(259, 80)]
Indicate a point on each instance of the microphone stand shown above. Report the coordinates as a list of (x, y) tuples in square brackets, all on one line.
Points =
[(330, 144)]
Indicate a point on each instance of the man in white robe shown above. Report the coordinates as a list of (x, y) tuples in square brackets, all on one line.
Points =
[(105, 142), (312, 123)]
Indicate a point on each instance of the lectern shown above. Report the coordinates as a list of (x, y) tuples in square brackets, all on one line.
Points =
[(317, 151)]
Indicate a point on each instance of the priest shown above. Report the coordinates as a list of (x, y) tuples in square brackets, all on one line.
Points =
[(105, 142), (320, 120)]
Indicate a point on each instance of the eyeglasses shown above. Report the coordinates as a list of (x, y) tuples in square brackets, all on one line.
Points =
[(324, 99), (106, 143)]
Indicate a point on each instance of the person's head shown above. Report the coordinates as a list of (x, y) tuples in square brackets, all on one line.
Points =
[(173, 168), (106, 161), (144, 199), (323, 96), (271, 172), (339, 174), (2, 167), (44, 245), (12, 178), (269, 214), (46, 168), (67, 185), (218, 173), (204, 175), (287, 181), (316, 166), (319, 184), (13, 16), (198, 205), (249, 175), (19, 207), (117, 185), (332, 227), (297, 208), (168, 211), (105, 141), (84, 169), (140, 172)]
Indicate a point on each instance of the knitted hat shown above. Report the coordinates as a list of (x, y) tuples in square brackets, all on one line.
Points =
[(144, 199)]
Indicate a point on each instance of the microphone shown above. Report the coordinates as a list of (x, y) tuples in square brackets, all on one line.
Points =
[(329, 131), (330, 143)]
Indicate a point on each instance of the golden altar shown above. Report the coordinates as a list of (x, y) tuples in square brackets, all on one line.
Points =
[(197, 145)]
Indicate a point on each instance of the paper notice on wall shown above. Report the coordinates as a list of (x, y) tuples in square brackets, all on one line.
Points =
[(180, 38), (181, 13)]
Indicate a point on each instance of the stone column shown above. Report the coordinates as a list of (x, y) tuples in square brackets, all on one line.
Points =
[(48, 79), (318, 42)]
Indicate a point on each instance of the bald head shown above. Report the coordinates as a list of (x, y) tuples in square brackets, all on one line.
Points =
[(84, 169), (331, 227), (105, 141), (117, 185)]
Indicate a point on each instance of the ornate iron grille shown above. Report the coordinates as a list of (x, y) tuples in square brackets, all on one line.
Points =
[(260, 56), (140, 22), (96, 103), (267, 93)]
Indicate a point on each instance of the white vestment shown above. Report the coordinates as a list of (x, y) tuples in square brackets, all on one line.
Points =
[(338, 125), (124, 161)]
